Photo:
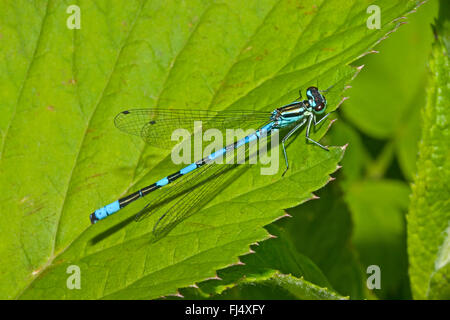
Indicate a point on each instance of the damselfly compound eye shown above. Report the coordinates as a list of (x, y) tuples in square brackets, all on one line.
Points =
[(320, 108)]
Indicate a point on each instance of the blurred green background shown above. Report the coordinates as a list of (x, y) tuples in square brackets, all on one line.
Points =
[(383, 145), (365, 223)]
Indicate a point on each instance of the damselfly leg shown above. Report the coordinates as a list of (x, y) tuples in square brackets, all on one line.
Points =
[(290, 133), (308, 129)]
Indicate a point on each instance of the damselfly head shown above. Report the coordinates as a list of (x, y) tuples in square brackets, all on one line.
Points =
[(316, 100)]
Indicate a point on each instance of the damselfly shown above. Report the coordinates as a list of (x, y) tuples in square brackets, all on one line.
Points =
[(154, 126)]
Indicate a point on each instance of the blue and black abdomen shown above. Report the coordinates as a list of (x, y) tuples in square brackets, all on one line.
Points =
[(109, 209)]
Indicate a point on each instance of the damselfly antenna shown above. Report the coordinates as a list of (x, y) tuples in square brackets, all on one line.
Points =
[(300, 97), (325, 91)]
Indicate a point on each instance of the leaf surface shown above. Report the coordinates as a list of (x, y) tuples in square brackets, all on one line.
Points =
[(60, 156), (429, 214)]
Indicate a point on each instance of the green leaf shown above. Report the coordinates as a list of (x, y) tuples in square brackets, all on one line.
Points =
[(429, 215), (305, 290), (61, 157), (282, 286), (220, 233), (322, 231), (317, 235), (277, 255), (378, 209)]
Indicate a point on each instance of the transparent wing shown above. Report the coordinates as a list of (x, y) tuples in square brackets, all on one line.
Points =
[(155, 126), (175, 190), (185, 198), (193, 201)]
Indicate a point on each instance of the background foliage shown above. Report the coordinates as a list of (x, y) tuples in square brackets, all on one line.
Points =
[(61, 157)]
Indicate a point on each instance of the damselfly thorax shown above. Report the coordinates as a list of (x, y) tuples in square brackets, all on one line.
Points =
[(300, 111), (290, 114)]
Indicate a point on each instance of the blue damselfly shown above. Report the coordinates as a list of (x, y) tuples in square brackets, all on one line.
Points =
[(154, 126)]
